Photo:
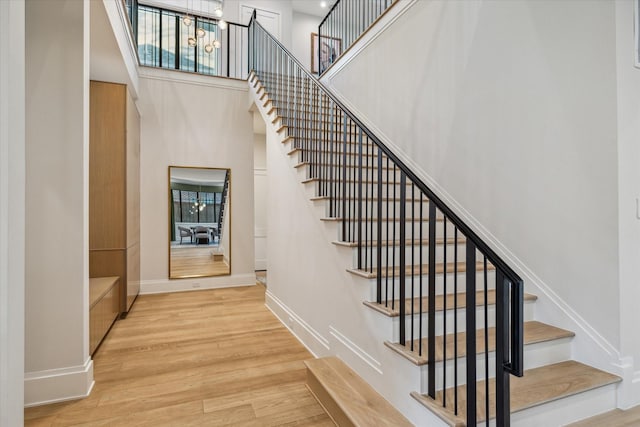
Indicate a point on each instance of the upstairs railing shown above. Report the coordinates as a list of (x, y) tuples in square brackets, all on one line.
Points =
[(223, 205), (206, 46), (346, 21), (415, 247)]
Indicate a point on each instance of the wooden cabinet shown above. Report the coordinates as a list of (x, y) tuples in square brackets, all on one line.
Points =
[(114, 189), (103, 308)]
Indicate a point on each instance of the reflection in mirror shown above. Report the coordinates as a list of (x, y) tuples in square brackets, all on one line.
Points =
[(199, 222)]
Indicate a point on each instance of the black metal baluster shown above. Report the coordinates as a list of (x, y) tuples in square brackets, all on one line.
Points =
[(431, 350), (444, 308), (394, 227), (455, 319), (379, 242), (386, 265), (421, 263), (486, 343), (359, 233), (470, 331), (402, 302)]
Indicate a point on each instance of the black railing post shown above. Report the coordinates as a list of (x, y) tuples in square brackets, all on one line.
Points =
[(503, 409)]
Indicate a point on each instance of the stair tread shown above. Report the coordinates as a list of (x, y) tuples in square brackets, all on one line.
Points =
[(337, 166), (392, 310), (408, 219), (617, 417), (371, 243), (537, 386), (534, 332), (415, 269), (357, 400), (324, 150)]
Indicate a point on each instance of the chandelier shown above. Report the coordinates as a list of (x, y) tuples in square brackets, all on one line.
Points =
[(200, 32)]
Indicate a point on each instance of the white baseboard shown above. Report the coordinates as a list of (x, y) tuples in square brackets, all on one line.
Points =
[(58, 385), (309, 337), (261, 264), (195, 284), (352, 348)]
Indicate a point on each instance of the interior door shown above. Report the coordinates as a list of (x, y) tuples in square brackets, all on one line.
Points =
[(270, 20)]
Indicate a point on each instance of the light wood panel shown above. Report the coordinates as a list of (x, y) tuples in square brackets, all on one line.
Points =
[(107, 167), (215, 358), (104, 308), (114, 186), (105, 263), (133, 275)]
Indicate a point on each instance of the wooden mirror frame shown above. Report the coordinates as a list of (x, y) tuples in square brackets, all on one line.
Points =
[(194, 263)]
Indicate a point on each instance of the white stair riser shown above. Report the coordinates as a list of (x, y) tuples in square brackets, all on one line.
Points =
[(536, 355), (370, 208), (391, 230), (322, 168), (412, 254), (440, 281), (567, 410), (528, 315)]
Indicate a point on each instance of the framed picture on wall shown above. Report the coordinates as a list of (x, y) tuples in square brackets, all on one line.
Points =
[(329, 48)]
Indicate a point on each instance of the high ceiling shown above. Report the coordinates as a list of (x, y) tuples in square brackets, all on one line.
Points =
[(312, 7)]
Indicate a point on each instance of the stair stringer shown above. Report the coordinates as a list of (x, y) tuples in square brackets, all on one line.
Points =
[(314, 296)]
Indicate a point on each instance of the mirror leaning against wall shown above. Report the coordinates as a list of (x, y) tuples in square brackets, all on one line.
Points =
[(199, 222)]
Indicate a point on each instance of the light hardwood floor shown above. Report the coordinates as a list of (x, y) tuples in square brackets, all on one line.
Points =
[(196, 261), (213, 358)]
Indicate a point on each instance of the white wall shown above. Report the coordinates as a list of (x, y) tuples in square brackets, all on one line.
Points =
[(508, 109), (628, 88), (260, 198), (303, 26), (190, 120), (12, 185), (57, 361)]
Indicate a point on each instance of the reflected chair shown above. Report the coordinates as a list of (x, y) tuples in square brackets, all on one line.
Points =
[(185, 232), (202, 235)]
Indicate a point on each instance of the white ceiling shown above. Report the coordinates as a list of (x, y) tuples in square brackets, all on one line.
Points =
[(312, 7)]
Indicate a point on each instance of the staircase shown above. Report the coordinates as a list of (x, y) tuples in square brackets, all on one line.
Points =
[(429, 275)]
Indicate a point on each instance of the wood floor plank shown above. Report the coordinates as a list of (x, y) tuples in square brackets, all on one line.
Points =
[(214, 357)]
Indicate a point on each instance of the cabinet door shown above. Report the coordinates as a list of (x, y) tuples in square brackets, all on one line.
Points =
[(133, 275), (107, 199)]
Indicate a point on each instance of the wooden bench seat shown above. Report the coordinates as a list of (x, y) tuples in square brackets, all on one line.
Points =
[(104, 307)]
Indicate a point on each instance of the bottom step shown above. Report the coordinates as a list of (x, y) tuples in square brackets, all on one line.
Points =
[(347, 398), (536, 387)]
